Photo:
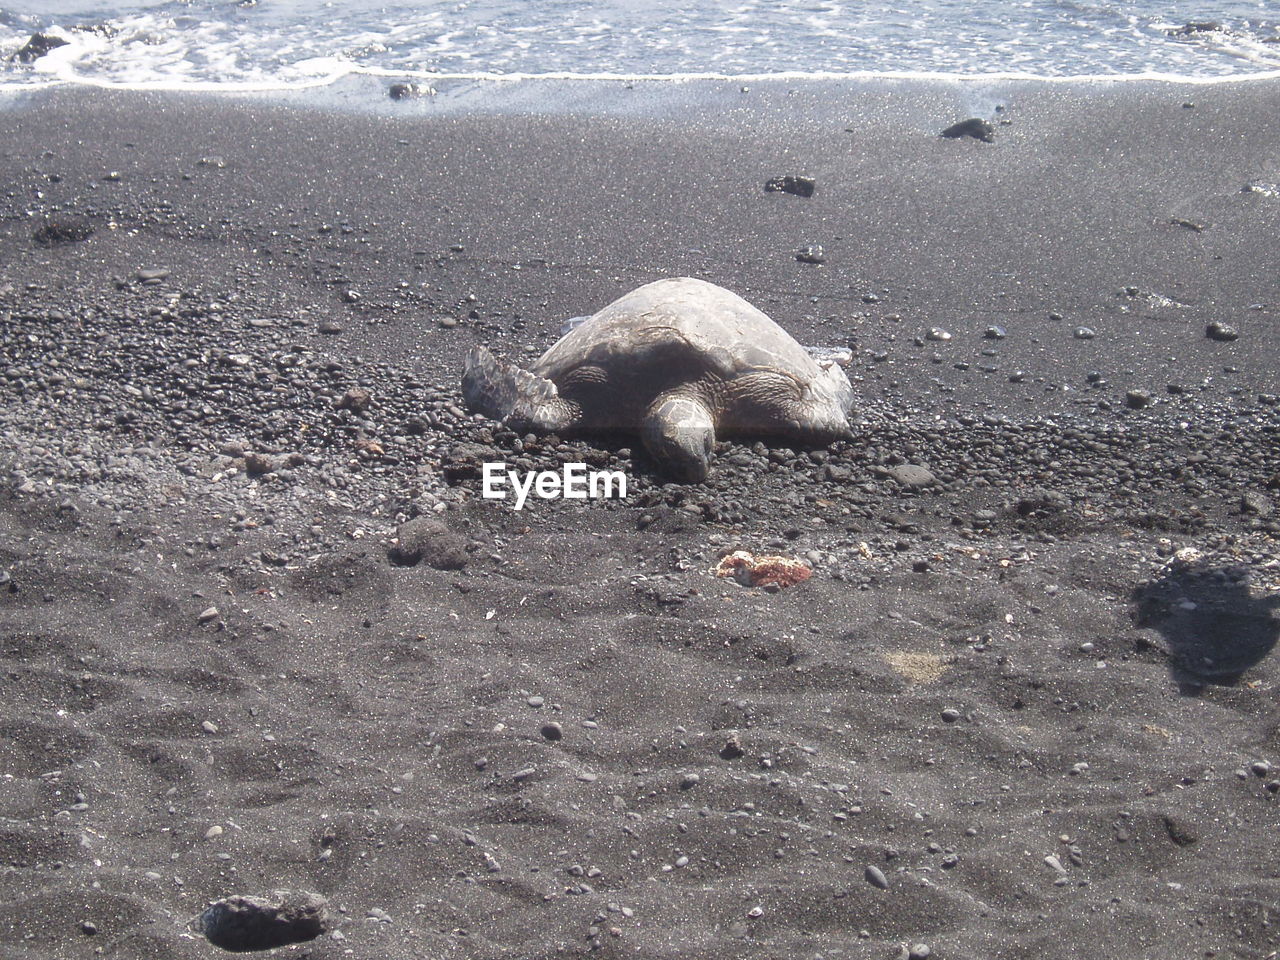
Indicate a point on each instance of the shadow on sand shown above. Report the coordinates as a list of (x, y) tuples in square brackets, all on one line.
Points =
[(1215, 623)]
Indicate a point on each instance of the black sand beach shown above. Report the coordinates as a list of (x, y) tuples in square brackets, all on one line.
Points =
[(1032, 683)]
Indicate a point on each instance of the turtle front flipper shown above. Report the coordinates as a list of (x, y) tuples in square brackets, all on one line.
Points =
[(679, 433), (517, 397)]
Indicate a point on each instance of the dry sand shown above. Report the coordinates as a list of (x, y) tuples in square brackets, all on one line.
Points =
[(1025, 706)]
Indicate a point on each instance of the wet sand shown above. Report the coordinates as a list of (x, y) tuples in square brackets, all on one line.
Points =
[(1032, 686)]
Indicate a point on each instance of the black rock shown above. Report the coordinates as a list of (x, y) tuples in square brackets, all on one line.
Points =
[(241, 924), (1191, 28), (1137, 399), (52, 232), (409, 91), (37, 47), (428, 539), (974, 127), (1221, 331), (800, 186), (812, 254)]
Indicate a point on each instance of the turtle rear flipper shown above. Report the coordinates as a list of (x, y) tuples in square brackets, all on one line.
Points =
[(504, 392)]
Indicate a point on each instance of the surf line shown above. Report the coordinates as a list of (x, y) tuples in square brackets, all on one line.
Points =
[(572, 482)]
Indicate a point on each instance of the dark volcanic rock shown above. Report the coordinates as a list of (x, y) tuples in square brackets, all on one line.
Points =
[(241, 924), (800, 186), (812, 254), (62, 231), (429, 539), (1191, 28), (1221, 332), (409, 91), (974, 127), (37, 47)]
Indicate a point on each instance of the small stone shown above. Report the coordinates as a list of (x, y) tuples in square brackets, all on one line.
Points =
[(912, 476), (1258, 504), (689, 781), (812, 254), (800, 186), (1260, 768), (875, 876), (938, 334), (1084, 333), (1137, 399), (447, 322), (995, 333), (152, 275), (409, 91), (974, 127), (357, 399), (213, 832), (62, 230), (951, 715), (257, 464), (552, 731), (920, 951), (330, 327), (208, 614), (208, 726), (1221, 332), (732, 749), (88, 928)]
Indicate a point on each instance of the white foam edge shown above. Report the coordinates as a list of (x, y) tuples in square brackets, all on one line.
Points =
[(65, 77)]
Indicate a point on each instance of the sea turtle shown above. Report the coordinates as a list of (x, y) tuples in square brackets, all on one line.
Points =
[(678, 361)]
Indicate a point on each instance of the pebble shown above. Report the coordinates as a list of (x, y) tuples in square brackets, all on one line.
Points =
[(875, 876), (1221, 332), (975, 127), (1137, 399), (798, 185), (937, 333), (208, 614), (913, 476), (330, 327), (689, 781), (951, 715), (242, 924), (552, 730), (1084, 333), (732, 749), (88, 928)]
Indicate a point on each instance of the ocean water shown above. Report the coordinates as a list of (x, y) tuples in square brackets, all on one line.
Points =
[(283, 44)]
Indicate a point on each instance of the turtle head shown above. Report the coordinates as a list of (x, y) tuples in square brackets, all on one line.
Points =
[(678, 432)]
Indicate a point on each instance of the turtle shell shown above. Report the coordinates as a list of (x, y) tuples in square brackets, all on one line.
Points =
[(674, 331)]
